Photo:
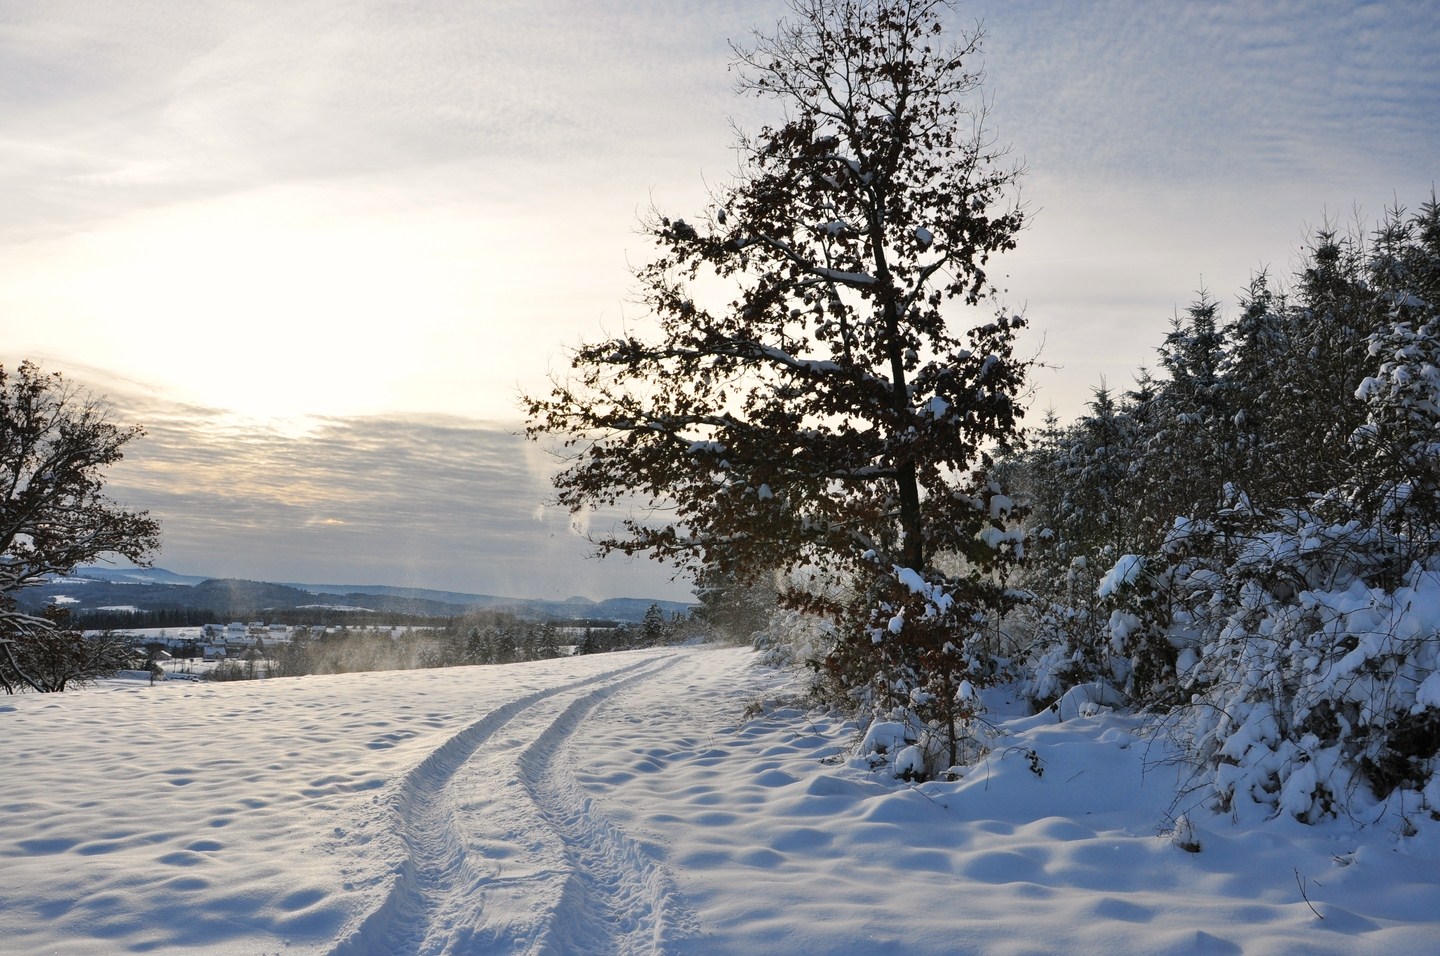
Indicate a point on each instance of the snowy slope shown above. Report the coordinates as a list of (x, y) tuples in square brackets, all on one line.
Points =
[(619, 803)]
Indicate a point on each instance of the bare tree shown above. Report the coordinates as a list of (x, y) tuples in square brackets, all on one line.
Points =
[(55, 444), (51, 661)]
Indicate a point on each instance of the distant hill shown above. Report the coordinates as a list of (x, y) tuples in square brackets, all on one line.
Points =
[(156, 589), (138, 576), (619, 609)]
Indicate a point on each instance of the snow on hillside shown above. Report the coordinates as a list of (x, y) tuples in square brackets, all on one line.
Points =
[(624, 803)]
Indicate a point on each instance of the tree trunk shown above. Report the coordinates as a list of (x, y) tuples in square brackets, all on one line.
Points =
[(907, 480)]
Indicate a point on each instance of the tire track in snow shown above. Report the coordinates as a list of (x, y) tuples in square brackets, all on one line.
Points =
[(618, 898), (486, 866)]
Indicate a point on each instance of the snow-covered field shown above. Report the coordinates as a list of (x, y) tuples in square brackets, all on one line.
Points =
[(622, 803)]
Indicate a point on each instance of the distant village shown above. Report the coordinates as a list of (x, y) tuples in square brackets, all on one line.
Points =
[(244, 651), (221, 641), (233, 641)]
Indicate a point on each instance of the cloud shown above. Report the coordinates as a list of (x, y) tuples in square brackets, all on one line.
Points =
[(356, 207), (1225, 94), (112, 108), (1170, 151), (367, 208), (437, 502)]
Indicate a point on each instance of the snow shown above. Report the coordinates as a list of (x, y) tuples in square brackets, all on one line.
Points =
[(1429, 693), (994, 537), (624, 803), (1126, 571), (844, 277), (934, 594)]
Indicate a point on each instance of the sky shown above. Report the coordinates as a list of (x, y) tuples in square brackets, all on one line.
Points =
[(320, 247)]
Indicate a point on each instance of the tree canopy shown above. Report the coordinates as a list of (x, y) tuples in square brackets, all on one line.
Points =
[(803, 399)]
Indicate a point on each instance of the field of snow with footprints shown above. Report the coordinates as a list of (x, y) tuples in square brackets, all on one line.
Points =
[(678, 800)]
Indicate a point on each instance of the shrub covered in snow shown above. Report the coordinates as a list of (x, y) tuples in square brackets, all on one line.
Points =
[(1311, 683), (1250, 547)]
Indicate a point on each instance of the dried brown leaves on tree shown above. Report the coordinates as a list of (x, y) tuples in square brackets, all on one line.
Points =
[(825, 412)]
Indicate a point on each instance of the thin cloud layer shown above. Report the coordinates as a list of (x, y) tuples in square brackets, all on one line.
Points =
[(1227, 95), (439, 503), (433, 198), (1190, 147), (114, 107)]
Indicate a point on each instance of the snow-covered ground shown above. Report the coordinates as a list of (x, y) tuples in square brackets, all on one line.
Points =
[(624, 803)]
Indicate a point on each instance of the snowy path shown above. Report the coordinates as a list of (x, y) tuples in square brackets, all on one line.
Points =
[(505, 853)]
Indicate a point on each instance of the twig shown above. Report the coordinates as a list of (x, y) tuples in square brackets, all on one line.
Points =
[(1300, 883)]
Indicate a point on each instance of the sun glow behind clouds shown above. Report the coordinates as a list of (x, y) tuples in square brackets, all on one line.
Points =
[(324, 300), (362, 209), (308, 300), (339, 209), (261, 303)]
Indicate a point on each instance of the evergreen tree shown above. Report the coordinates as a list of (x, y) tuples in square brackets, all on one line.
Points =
[(652, 627), (1278, 596), (1188, 422), (1398, 480), (734, 607), (547, 642)]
